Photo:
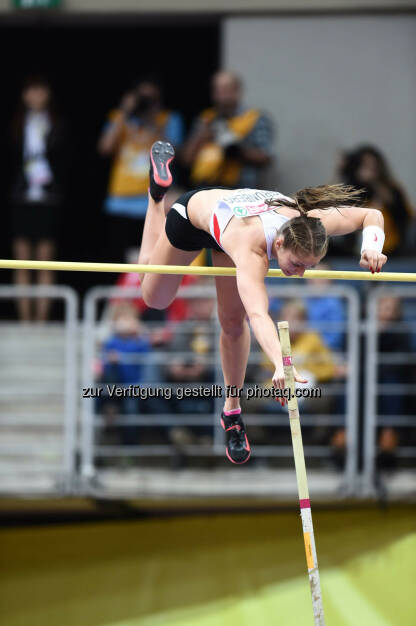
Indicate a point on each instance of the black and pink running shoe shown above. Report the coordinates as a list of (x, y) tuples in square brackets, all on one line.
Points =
[(161, 154), (238, 448)]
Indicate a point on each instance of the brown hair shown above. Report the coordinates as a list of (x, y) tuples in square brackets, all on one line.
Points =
[(307, 235)]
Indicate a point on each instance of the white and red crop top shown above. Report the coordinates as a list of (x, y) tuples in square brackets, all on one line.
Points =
[(248, 203)]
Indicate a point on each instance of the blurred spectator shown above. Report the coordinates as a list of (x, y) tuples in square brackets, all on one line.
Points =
[(312, 358), (41, 158), (191, 364), (393, 338), (230, 145), (367, 168), (140, 120), (314, 361), (324, 310), (123, 365)]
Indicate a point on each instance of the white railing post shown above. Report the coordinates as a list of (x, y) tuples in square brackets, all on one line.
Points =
[(64, 474)]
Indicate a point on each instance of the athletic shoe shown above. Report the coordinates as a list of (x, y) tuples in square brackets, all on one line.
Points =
[(238, 448), (161, 154)]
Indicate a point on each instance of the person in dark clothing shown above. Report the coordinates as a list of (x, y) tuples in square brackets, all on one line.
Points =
[(393, 338), (367, 168), (40, 169)]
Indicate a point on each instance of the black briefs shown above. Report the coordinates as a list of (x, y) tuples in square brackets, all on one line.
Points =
[(179, 230)]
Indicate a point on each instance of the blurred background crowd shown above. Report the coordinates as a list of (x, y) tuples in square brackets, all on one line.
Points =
[(75, 161), (273, 94), (230, 143)]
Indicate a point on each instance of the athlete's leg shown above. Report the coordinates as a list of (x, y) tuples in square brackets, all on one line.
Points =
[(154, 224), (160, 180), (234, 348), (235, 332), (159, 290)]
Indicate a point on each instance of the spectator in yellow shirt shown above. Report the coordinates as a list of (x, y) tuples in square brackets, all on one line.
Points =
[(310, 354), (131, 129), (230, 144)]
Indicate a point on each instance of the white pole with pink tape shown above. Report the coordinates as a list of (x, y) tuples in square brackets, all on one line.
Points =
[(305, 506)]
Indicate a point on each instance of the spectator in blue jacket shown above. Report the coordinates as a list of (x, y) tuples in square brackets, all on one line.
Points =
[(322, 311), (123, 357)]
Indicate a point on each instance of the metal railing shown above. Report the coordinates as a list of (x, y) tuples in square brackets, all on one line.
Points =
[(42, 475), (61, 470), (375, 388), (91, 450)]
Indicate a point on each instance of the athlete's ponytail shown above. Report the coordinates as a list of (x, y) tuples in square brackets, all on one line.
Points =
[(321, 197), (326, 197)]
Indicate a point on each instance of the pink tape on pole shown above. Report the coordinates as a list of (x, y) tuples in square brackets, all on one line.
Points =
[(305, 504), (287, 360)]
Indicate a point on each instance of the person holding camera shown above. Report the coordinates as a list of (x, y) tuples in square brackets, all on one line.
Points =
[(230, 145), (131, 129)]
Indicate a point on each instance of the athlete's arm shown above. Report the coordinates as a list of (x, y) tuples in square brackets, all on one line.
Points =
[(349, 219), (251, 271)]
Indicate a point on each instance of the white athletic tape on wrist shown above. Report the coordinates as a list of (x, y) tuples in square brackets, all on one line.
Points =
[(373, 239)]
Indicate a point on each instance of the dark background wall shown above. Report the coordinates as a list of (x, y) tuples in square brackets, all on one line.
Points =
[(91, 67)]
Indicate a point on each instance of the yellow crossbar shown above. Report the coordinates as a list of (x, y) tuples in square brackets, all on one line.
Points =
[(69, 266)]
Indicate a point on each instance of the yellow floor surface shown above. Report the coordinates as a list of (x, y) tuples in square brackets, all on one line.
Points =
[(211, 570)]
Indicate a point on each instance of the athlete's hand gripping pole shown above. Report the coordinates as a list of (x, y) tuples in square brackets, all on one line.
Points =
[(305, 506)]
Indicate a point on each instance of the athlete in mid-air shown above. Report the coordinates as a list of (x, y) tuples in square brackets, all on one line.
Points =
[(245, 228)]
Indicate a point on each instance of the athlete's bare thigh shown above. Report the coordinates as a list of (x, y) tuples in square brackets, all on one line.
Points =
[(231, 312), (160, 289)]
